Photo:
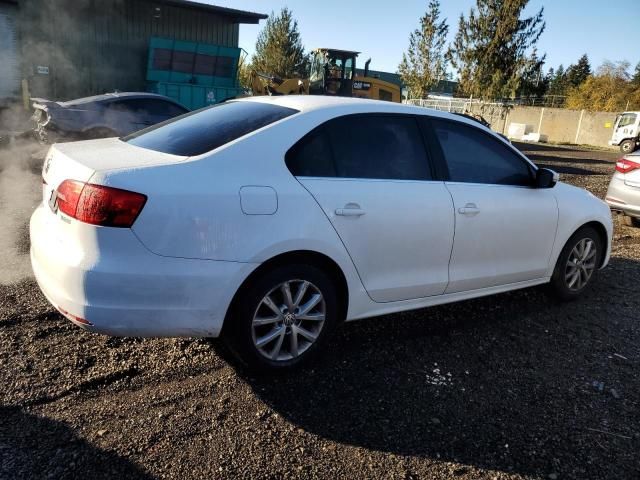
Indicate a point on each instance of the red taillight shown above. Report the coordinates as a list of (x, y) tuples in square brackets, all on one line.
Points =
[(625, 166), (67, 196), (99, 205)]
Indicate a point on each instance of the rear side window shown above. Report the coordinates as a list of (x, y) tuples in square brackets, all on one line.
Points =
[(312, 157), (378, 146), (205, 130), (363, 146), (473, 156), (149, 106)]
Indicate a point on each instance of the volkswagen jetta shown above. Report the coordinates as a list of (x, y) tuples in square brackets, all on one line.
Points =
[(268, 221)]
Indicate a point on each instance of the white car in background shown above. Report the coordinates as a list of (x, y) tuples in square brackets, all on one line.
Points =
[(624, 189), (268, 221)]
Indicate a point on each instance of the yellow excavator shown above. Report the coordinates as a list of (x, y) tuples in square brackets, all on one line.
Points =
[(332, 72)]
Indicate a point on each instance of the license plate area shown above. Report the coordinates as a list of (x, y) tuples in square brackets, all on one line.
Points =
[(53, 200)]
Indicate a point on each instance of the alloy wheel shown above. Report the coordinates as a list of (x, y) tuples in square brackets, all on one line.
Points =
[(288, 320), (581, 264)]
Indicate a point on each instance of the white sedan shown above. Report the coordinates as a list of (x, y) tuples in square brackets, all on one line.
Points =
[(268, 221)]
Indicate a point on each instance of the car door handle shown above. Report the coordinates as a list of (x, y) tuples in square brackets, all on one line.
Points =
[(470, 209), (350, 211)]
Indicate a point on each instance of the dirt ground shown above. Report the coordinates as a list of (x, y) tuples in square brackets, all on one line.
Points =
[(505, 387)]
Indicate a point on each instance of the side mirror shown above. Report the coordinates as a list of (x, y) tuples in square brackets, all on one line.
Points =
[(546, 178)]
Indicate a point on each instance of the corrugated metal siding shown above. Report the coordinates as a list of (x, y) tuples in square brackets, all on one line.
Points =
[(9, 61), (95, 46)]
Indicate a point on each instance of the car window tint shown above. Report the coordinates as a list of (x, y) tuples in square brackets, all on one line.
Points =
[(378, 146), (311, 157), (148, 106), (159, 107), (204, 130), (172, 110), (473, 156)]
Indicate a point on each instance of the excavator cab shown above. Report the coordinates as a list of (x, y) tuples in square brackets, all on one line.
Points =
[(332, 72)]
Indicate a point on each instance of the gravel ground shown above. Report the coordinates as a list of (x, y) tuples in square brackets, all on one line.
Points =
[(511, 386)]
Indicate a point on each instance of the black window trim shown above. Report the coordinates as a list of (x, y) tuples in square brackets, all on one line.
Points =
[(438, 154), (435, 173)]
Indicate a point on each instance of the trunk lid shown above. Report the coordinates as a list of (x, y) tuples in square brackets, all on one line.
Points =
[(80, 160)]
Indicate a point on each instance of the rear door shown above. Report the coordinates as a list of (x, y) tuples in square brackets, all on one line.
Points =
[(505, 228), (372, 177)]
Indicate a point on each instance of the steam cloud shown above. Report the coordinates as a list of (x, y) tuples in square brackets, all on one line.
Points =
[(20, 193)]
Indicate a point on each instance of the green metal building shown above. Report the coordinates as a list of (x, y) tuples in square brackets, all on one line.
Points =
[(73, 48)]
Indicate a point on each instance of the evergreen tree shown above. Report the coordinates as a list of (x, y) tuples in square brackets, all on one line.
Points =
[(558, 84), (423, 65), (534, 83), (578, 73), (635, 80), (279, 49), (492, 49), (550, 75)]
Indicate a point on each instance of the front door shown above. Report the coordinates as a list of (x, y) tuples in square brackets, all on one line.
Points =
[(505, 228)]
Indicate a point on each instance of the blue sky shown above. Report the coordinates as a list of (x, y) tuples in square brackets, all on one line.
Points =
[(380, 30)]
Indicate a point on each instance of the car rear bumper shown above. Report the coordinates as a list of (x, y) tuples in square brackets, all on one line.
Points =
[(109, 280), (623, 197)]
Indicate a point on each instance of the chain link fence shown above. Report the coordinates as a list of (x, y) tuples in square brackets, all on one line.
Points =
[(494, 113)]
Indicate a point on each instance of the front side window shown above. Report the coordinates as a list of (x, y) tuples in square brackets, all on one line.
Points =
[(348, 68), (363, 146), (473, 156), (316, 68), (207, 129), (627, 119)]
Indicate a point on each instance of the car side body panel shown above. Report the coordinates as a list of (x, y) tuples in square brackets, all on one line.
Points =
[(576, 208)]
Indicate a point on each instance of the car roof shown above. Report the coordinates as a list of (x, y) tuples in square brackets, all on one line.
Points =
[(308, 103), (112, 96)]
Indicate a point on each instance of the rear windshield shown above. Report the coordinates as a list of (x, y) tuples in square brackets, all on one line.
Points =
[(204, 130)]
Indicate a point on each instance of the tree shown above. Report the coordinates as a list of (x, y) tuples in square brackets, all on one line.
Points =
[(279, 49), (534, 83), (244, 74), (610, 90), (636, 75), (578, 73), (424, 64), (558, 83), (492, 49)]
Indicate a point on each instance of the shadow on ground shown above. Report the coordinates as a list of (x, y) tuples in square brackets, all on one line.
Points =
[(37, 447), (568, 161), (504, 383)]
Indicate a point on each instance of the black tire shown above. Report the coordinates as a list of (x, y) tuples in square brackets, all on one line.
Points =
[(631, 221), (559, 284), (239, 332), (628, 146)]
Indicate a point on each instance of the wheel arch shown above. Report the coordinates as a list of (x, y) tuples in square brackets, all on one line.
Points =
[(309, 257)]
